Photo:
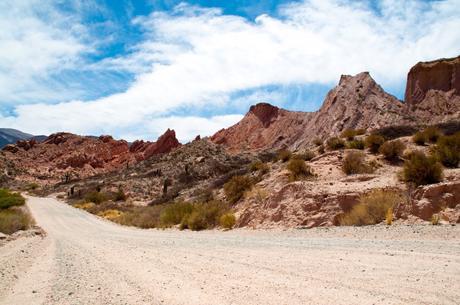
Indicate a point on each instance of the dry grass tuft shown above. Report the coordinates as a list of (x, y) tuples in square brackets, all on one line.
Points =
[(421, 169), (355, 163), (299, 170), (372, 208)]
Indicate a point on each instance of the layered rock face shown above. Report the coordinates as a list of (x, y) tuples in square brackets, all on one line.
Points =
[(440, 75), (357, 102), (433, 90), (68, 156), (263, 126)]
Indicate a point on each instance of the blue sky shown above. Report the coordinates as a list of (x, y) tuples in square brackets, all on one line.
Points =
[(135, 68)]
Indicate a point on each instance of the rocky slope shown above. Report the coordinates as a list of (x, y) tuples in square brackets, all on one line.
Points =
[(65, 156), (357, 102)]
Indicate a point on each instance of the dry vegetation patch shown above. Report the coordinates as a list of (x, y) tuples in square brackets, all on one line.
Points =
[(373, 208)]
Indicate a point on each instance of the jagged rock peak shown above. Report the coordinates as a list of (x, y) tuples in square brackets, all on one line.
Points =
[(441, 75), (265, 112)]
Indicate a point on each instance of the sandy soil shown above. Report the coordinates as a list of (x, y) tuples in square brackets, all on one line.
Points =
[(86, 260)]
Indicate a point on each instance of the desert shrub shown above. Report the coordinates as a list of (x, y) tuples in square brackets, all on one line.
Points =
[(13, 220), (373, 142), (419, 138), (236, 186), (9, 199), (173, 213), (321, 149), (267, 156), (141, 217), (318, 142), (355, 163), (111, 214), (421, 169), (355, 144), (299, 169), (392, 150), (227, 221), (284, 155), (435, 219), (195, 221), (372, 208), (259, 166), (32, 186), (96, 197), (120, 195), (204, 216), (448, 150), (394, 132), (389, 216), (432, 133), (307, 155), (335, 143), (83, 205), (349, 134)]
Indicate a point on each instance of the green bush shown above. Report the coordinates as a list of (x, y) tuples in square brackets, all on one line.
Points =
[(227, 221), (13, 220), (355, 144), (448, 150), (9, 199), (236, 186), (392, 150), (96, 197), (355, 163), (284, 155), (373, 142), (372, 208), (419, 138), (196, 221), (421, 169), (299, 169), (174, 213), (335, 143)]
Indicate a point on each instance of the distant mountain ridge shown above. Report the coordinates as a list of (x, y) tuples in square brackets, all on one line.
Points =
[(11, 136)]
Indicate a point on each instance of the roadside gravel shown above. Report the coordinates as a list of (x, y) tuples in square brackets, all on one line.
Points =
[(86, 260)]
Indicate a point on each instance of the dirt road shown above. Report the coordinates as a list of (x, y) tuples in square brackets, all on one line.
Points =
[(86, 260)]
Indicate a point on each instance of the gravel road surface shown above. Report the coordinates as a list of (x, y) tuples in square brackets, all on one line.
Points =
[(87, 260)]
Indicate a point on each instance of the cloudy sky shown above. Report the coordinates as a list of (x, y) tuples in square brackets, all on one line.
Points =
[(133, 68)]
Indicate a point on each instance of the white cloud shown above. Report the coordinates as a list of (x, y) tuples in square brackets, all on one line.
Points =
[(36, 41), (199, 57)]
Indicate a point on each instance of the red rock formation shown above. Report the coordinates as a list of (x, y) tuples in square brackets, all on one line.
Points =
[(357, 102), (440, 75), (164, 144), (84, 156), (433, 90)]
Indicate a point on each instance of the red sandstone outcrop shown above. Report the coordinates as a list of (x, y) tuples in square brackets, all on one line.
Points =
[(82, 156), (262, 127), (357, 102), (439, 75), (433, 90), (431, 199)]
